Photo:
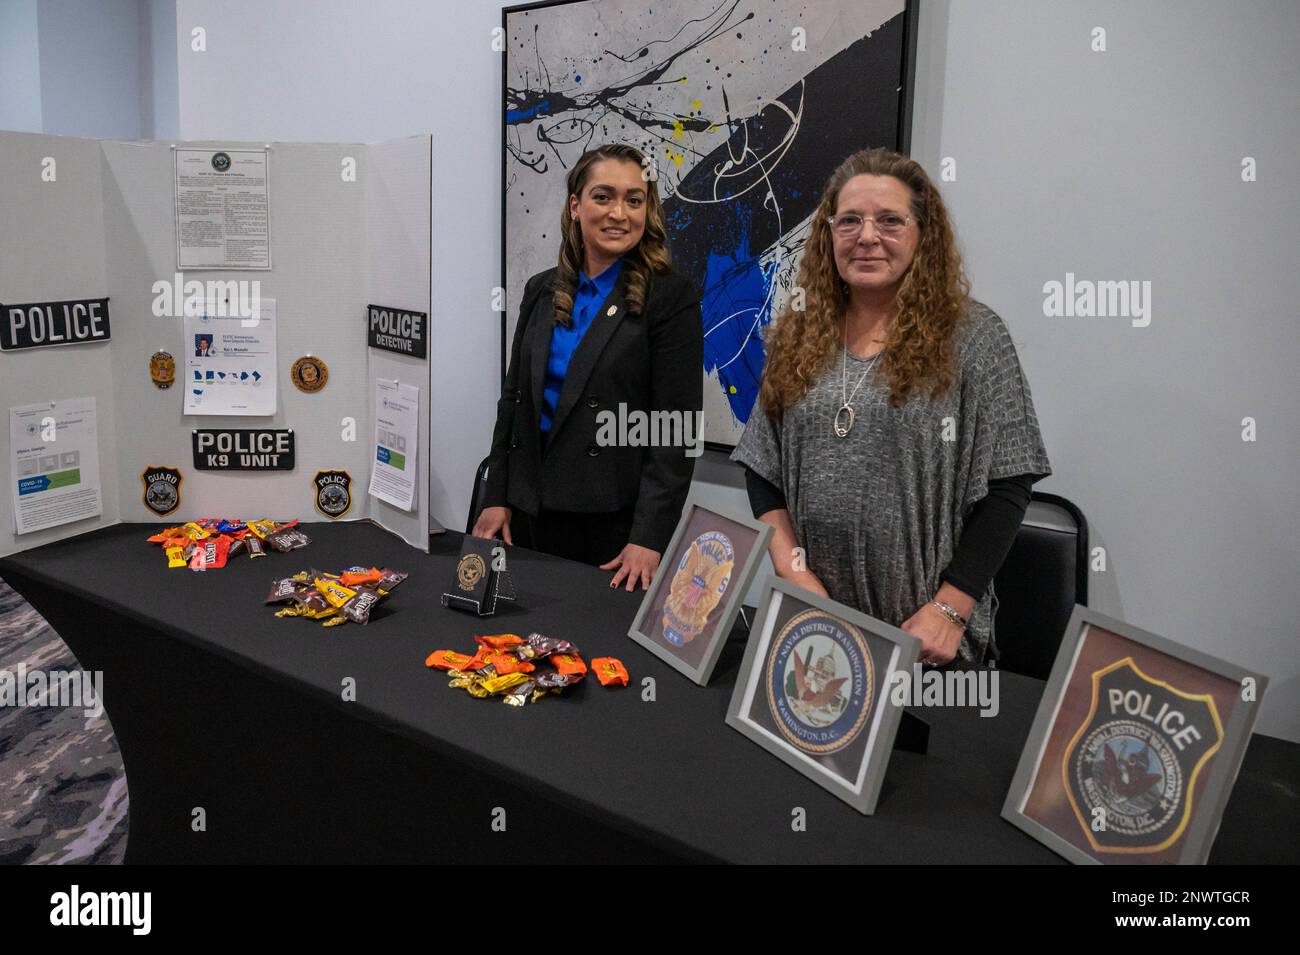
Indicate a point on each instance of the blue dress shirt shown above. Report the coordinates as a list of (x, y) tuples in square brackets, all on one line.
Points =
[(587, 298)]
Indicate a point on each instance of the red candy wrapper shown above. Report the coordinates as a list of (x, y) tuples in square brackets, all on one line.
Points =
[(609, 671)]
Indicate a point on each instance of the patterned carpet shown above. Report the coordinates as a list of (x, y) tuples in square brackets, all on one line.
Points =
[(62, 786)]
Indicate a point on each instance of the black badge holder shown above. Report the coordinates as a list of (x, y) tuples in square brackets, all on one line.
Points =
[(477, 585)]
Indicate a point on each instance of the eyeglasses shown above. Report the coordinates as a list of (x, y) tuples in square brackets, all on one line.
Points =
[(889, 225)]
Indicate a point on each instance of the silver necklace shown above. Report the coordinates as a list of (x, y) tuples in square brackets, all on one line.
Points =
[(845, 417)]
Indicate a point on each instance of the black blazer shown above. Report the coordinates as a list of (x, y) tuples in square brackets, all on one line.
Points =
[(648, 362)]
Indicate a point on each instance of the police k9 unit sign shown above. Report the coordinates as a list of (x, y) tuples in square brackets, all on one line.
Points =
[(244, 449), (40, 324)]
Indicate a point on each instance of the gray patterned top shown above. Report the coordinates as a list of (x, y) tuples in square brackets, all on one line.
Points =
[(879, 513)]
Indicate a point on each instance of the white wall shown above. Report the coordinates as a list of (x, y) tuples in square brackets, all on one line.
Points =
[(1116, 165), (20, 67), (159, 98), (103, 69), (90, 68)]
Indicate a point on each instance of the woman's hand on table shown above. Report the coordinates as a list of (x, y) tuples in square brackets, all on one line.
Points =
[(634, 563), (494, 522)]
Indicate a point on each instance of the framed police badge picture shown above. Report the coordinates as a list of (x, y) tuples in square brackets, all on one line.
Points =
[(690, 607), (813, 689), (1135, 747)]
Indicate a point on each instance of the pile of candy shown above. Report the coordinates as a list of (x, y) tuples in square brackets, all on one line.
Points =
[(520, 670), (334, 599), (210, 542)]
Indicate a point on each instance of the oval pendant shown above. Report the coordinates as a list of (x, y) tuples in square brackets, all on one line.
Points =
[(844, 421)]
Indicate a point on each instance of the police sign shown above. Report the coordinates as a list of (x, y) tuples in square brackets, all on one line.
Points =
[(39, 324), (397, 330), (244, 449)]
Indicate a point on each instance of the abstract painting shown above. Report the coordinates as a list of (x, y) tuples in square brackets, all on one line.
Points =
[(745, 107)]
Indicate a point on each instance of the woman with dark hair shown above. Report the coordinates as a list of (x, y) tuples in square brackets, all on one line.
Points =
[(609, 332), (893, 445)]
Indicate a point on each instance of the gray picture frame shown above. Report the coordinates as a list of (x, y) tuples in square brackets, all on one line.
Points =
[(741, 578), (1204, 825), (885, 715)]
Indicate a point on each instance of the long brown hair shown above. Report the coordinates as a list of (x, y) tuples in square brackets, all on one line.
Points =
[(930, 301), (648, 256)]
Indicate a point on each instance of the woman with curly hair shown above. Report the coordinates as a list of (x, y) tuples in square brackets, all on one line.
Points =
[(610, 327), (893, 445)]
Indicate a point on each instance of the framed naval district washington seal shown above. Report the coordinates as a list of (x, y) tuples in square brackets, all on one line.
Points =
[(1135, 747), (688, 611), (814, 690)]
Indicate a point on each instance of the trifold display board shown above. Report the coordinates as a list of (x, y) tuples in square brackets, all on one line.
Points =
[(348, 228)]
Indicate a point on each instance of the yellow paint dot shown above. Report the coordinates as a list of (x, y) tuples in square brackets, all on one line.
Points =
[(732, 389), (696, 104)]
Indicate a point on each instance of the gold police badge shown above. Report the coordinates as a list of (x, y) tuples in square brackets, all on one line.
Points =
[(702, 578), (162, 369)]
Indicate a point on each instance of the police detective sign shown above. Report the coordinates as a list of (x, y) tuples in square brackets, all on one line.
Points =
[(397, 330), (244, 449)]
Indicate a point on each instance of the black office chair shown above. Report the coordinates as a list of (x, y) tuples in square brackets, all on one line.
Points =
[(1044, 576)]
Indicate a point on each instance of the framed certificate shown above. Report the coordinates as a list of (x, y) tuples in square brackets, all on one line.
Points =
[(1135, 747), (689, 609), (814, 690)]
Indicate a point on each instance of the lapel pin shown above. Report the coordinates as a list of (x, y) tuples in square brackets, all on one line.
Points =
[(613, 310)]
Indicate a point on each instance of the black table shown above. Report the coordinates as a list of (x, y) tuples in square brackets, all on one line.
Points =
[(220, 706)]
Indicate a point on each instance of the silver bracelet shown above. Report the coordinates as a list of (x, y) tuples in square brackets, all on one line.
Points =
[(951, 614)]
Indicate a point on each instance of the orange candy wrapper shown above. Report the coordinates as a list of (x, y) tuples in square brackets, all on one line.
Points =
[(505, 663), (446, 660), (499, 641), (350, 578), (567, 663), (609, 671)]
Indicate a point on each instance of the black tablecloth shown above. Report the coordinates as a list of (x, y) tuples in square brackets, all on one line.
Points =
[(221, 707)]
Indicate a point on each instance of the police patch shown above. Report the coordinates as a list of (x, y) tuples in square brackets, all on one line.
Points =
[(820, 682), (1130, 770), (469, 571), (702, 578), (333, 493), (162, 489)]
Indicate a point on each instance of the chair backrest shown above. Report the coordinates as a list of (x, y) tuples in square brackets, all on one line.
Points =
[(1044, 576)]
